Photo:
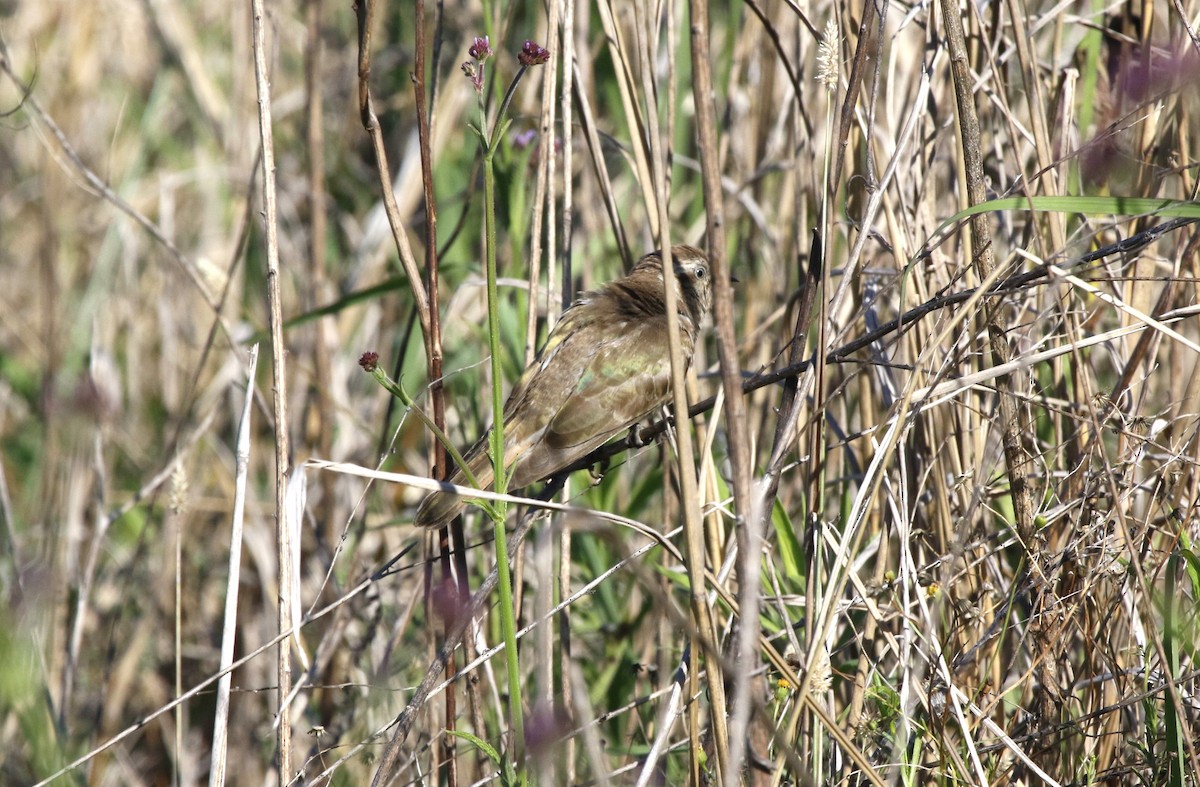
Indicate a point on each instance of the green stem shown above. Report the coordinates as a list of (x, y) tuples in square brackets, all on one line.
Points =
[(493, 302), (501, 122), (508, 623), (397, 390)]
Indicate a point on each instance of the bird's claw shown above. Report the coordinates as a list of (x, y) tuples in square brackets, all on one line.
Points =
[(637, 437), (598, 470)]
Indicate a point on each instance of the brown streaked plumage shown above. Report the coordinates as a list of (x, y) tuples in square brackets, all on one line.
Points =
[(604, 367)]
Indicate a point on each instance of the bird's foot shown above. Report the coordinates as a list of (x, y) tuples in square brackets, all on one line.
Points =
[(638, 438), (598, 470)]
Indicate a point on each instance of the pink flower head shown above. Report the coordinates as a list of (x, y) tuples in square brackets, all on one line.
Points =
[(481, 50), (532, 54)]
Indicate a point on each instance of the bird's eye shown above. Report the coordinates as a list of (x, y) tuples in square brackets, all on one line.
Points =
[(701, 273)]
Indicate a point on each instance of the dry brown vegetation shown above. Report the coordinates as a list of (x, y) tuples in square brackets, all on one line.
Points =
[(979, 563)]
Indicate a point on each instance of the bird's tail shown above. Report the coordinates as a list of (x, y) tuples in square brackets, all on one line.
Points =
[(438, 508)]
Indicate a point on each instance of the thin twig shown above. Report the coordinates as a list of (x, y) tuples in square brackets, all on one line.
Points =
[(448, 767), (748, 526), (218, 760), (689, 498), (364, 12), (284, 528)]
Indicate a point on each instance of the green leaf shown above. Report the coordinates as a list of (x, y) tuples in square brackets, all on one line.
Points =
[(353, 298), (483, 141), (479, 743), (788, 546), (1118, 206), (1191, 562)]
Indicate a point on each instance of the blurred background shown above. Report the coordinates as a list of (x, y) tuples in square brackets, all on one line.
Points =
[(133, 281)]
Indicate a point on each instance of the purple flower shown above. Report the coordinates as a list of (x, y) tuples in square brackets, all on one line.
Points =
[(532, 54), (481, 50), (524, 139)]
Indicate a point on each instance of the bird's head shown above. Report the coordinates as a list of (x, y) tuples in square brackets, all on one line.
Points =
[(692, 274)]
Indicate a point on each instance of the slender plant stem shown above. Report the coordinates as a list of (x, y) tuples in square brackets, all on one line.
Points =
[(279, 381), (397, 390), (498, 129), (508, 623), (448, 767)]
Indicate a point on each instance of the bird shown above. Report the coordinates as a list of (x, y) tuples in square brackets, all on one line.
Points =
[(604, 367)]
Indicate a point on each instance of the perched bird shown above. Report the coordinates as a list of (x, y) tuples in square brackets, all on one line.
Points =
[(604, 367)]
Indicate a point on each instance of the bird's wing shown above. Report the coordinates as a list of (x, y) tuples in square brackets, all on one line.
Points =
[(626, 379), (572, 339), (614, 379), (544, 387)]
